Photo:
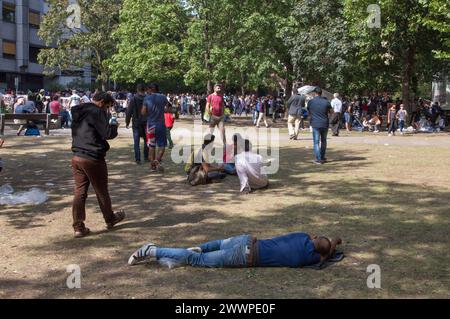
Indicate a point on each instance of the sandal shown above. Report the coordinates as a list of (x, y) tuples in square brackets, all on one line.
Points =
[(118, 217), (82, 233)]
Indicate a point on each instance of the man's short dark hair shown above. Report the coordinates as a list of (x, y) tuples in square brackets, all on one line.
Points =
[(318, 90), (154, 87), (103, 96), (140, 87)]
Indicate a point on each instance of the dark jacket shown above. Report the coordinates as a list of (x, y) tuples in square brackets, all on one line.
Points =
[(90, 130), (134, 111), (295, 105)]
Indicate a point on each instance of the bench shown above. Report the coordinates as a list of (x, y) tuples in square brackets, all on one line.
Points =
[(47, 118)]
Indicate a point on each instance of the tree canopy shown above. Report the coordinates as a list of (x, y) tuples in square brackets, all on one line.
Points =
[(256, 44)]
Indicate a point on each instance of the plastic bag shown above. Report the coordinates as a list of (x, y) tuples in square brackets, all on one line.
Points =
[(34, 196), (207, 117)]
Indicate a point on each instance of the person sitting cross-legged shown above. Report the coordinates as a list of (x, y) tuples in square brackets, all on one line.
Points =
[(292, 250)]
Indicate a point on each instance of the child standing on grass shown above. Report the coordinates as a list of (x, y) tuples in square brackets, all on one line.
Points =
[(170, 121), (402, 114)]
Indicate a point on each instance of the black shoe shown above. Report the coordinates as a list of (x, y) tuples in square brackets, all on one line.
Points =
[(118, 217), (138, 162)]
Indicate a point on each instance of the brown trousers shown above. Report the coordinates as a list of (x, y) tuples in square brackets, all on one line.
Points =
[(86, 172)]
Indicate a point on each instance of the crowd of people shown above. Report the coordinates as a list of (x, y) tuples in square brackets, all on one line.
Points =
[(152, 116)]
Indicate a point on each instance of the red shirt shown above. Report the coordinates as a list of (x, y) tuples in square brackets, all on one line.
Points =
[(216, 104), (55, 107), (170, 120)]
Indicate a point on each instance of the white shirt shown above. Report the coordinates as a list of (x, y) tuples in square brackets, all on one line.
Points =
[(85, 99), (249, 167), (75, 100), (336, 104)]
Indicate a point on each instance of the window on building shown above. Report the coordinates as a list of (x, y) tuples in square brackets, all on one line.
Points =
[(74, 73), (9, 12), (34, 19), (33, 54), (9, 50)]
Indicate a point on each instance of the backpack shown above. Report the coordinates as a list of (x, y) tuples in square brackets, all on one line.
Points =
[(32, 130)]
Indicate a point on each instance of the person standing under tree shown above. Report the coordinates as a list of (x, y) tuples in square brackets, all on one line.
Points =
[(402, 115), (335, 120), (392, 115)]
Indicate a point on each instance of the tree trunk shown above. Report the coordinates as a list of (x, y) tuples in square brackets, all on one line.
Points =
[(242, 84), (289, 81), (407, 77)]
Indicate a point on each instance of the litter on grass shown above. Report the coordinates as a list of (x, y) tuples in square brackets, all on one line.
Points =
[(34, 196)]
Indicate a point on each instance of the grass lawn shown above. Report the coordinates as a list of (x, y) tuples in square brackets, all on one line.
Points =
[(387, 198)]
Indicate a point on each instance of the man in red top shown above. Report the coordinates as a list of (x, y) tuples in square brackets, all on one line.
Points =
[(55, 106), (215, 106)]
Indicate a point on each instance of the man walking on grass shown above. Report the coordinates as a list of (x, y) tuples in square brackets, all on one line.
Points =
[(155, 105), (91, 128), (319, 108), (216, 107), (139, 123)]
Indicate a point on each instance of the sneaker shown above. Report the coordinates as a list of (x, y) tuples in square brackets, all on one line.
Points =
[(138, 163), (142, 254), (317, 162), (82, 233), (118, 217)]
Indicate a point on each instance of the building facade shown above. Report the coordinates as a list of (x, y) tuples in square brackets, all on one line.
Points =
[(20, 46)]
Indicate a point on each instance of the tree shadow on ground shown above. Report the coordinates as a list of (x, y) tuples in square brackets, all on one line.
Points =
[(401, 227)]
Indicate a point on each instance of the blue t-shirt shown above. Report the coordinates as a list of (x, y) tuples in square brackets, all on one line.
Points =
[(318, 108), (292, 250), (155, 104)]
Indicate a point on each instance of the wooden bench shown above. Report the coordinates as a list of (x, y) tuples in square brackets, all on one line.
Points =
[(47, 118)]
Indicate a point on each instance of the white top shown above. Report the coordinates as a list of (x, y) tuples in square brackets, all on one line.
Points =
[(75, 100), (250, 169), (336, 104), (402, 115), (85, 99)]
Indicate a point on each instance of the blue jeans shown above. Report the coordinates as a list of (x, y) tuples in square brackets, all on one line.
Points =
[(138, 133), (320, 143), (231, 252), (401, 124), (230, 169)]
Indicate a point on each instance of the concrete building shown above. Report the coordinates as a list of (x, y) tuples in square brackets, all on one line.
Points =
[(20, 45)]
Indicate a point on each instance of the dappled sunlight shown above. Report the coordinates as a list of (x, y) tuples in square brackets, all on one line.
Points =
[(374, 215)]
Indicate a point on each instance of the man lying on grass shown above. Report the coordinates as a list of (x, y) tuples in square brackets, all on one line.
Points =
[(292, 250)]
